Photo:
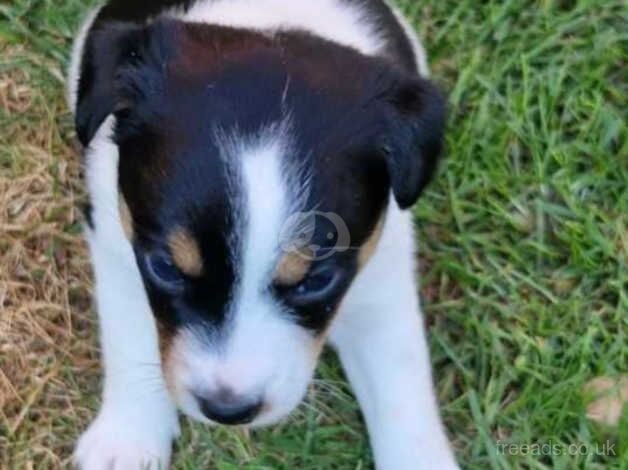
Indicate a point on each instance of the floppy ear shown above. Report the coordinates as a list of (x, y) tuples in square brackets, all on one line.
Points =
[(106, 48), (122, 63), (414, 140)]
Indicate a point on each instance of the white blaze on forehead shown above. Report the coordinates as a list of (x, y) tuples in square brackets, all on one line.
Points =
[(259, 336), (266, 207), (263, 353)]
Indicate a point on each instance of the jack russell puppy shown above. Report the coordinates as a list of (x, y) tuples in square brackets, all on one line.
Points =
[(249, 163)]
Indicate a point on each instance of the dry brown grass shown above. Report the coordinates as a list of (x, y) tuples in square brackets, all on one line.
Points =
[(44, 281)]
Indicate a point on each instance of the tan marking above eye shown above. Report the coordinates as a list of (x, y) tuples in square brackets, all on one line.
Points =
[(125, 217), (369, 246), (292, 269), (186, 253)]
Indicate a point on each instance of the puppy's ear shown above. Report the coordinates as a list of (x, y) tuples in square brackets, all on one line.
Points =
[(414, 140), (122, 64)]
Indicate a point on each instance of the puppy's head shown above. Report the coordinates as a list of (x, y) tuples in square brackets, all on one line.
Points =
[(254, 176)]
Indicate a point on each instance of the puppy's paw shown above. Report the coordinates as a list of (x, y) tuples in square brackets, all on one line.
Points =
[(127, 441)]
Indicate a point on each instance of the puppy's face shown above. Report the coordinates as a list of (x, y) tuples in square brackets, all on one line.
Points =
[(254, 177)]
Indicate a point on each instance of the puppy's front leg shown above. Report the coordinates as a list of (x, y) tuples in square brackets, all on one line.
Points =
[(137, 420), (380, 338)]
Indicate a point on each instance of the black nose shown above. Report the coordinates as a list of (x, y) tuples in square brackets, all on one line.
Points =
[(227, 408)]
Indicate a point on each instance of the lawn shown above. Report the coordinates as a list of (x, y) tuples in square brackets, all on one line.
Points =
[(524, 250)]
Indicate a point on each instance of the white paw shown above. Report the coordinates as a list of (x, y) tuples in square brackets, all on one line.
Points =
[(123, 440)]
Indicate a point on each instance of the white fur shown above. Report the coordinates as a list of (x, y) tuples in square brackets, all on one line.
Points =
[(137, 420), (379, 335), (335, 20), (330, 19), (265, 354)]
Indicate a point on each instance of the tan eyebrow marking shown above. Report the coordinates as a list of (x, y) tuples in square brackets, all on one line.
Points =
[(186, 253), (292, 268), (126, 219), (369, 246)]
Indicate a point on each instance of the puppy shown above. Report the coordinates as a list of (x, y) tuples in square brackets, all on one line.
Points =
[(248, 166)]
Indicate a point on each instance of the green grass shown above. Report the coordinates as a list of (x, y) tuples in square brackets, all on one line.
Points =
[(524, 242)]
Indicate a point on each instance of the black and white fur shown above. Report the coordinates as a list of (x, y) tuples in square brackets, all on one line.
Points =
[(225, 117)]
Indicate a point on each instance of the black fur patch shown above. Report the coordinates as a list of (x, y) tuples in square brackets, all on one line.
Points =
[(88, 214), (361, 124), (139, 11), (95, 63)]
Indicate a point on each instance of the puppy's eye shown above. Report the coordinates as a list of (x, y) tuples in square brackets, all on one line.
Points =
[(317, 286), (163, 272)]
